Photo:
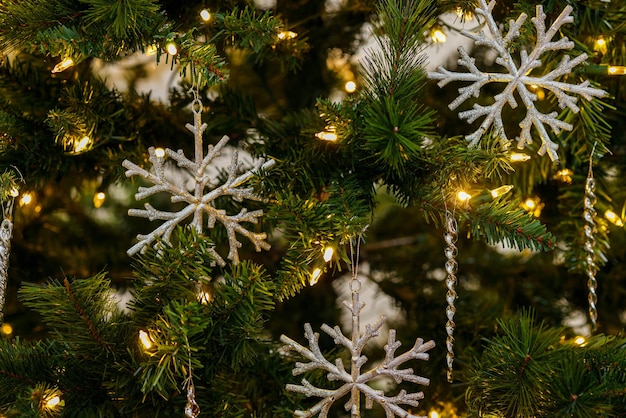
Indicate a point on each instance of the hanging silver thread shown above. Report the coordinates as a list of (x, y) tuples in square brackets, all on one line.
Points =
[(589, 215), (450, 236), (192, 409)]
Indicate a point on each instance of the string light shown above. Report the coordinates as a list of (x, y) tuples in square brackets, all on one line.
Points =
[(564, 175), (464, 14), (205, 15), (613, 218), (328, 254), (600, 45), (26, 199), (145, 339), (538, 91), (6, 329), (151, 50), (171, 48), (98, 199), (159, 152), (533, 206), (82, 145), (53, 401), (580, 340), (499, 191), (14, 192), (438, 35), (519, 157), (463, 196), (287, 34), (315, 276), (616, 70), (329, 134), (433, 414), (63, 65), (350, 86)]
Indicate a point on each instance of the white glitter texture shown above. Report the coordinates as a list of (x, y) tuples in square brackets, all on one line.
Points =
[(355, 382), (199, 202), (519, 78)]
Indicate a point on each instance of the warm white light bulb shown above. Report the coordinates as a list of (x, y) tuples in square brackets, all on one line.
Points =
[(328, 254), (63, 65), (580, 340), (53, 401), (98, 199), (463, 196), (433, 414), (519, 157), (159, 152), (438, 36), (205, 15), (171, 48), (350, 87), (6, 329), (500, 190), (145, 339), (26, 199), (82, 145), (287, 34), (315, 276), (613, 218)]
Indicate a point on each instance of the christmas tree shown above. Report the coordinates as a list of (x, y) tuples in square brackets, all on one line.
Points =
[(313, 208)]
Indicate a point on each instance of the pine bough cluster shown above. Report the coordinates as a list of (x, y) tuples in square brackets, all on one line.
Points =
[(356, 382), (518, 79), (198, 202)]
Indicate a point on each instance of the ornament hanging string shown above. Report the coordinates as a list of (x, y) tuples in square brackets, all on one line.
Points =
[(589, 215), (192, 409), (6, 232)]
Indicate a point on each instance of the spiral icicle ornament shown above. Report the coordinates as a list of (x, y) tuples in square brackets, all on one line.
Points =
[(450, 236), (589, 215)]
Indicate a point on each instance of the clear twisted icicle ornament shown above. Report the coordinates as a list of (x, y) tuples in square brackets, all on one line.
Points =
[(450, 236)]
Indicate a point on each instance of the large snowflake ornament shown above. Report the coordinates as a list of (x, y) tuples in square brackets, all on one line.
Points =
[(518, 79), (354, 380), (201, 199)]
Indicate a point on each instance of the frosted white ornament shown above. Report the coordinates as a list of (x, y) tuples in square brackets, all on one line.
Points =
[(518, 79), (199, 202), (355, 382)]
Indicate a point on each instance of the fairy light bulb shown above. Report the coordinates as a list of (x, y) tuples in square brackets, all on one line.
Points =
[(613, 218), (205, 15), (14, 192), (433, 414), (329, 134), (580, 340), (286, 34), (600, 45), (98, 199), (564, 175), (171, 48), (82, 145), (463, 196), (53, 401), (438, 35), (159, 152), (6, 329), (350, 86), (151, 50), (145, 339), (328, 254), (517, 157), (63, 65), (499, 191), (315, 276), (26, 199), (616, 70)]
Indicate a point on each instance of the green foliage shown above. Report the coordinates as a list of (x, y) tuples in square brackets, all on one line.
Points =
[(529, 369)]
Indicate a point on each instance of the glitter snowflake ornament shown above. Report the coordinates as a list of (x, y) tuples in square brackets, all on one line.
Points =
[(354, 380), (518, 79), (201, 199)]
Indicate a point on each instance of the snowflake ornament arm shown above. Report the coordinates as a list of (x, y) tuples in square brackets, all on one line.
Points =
[(518, 79), (355, 382), (198, 202)]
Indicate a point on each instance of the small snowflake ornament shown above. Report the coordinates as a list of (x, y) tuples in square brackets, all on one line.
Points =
[(200, 200), (518, 79), (354, 380)]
